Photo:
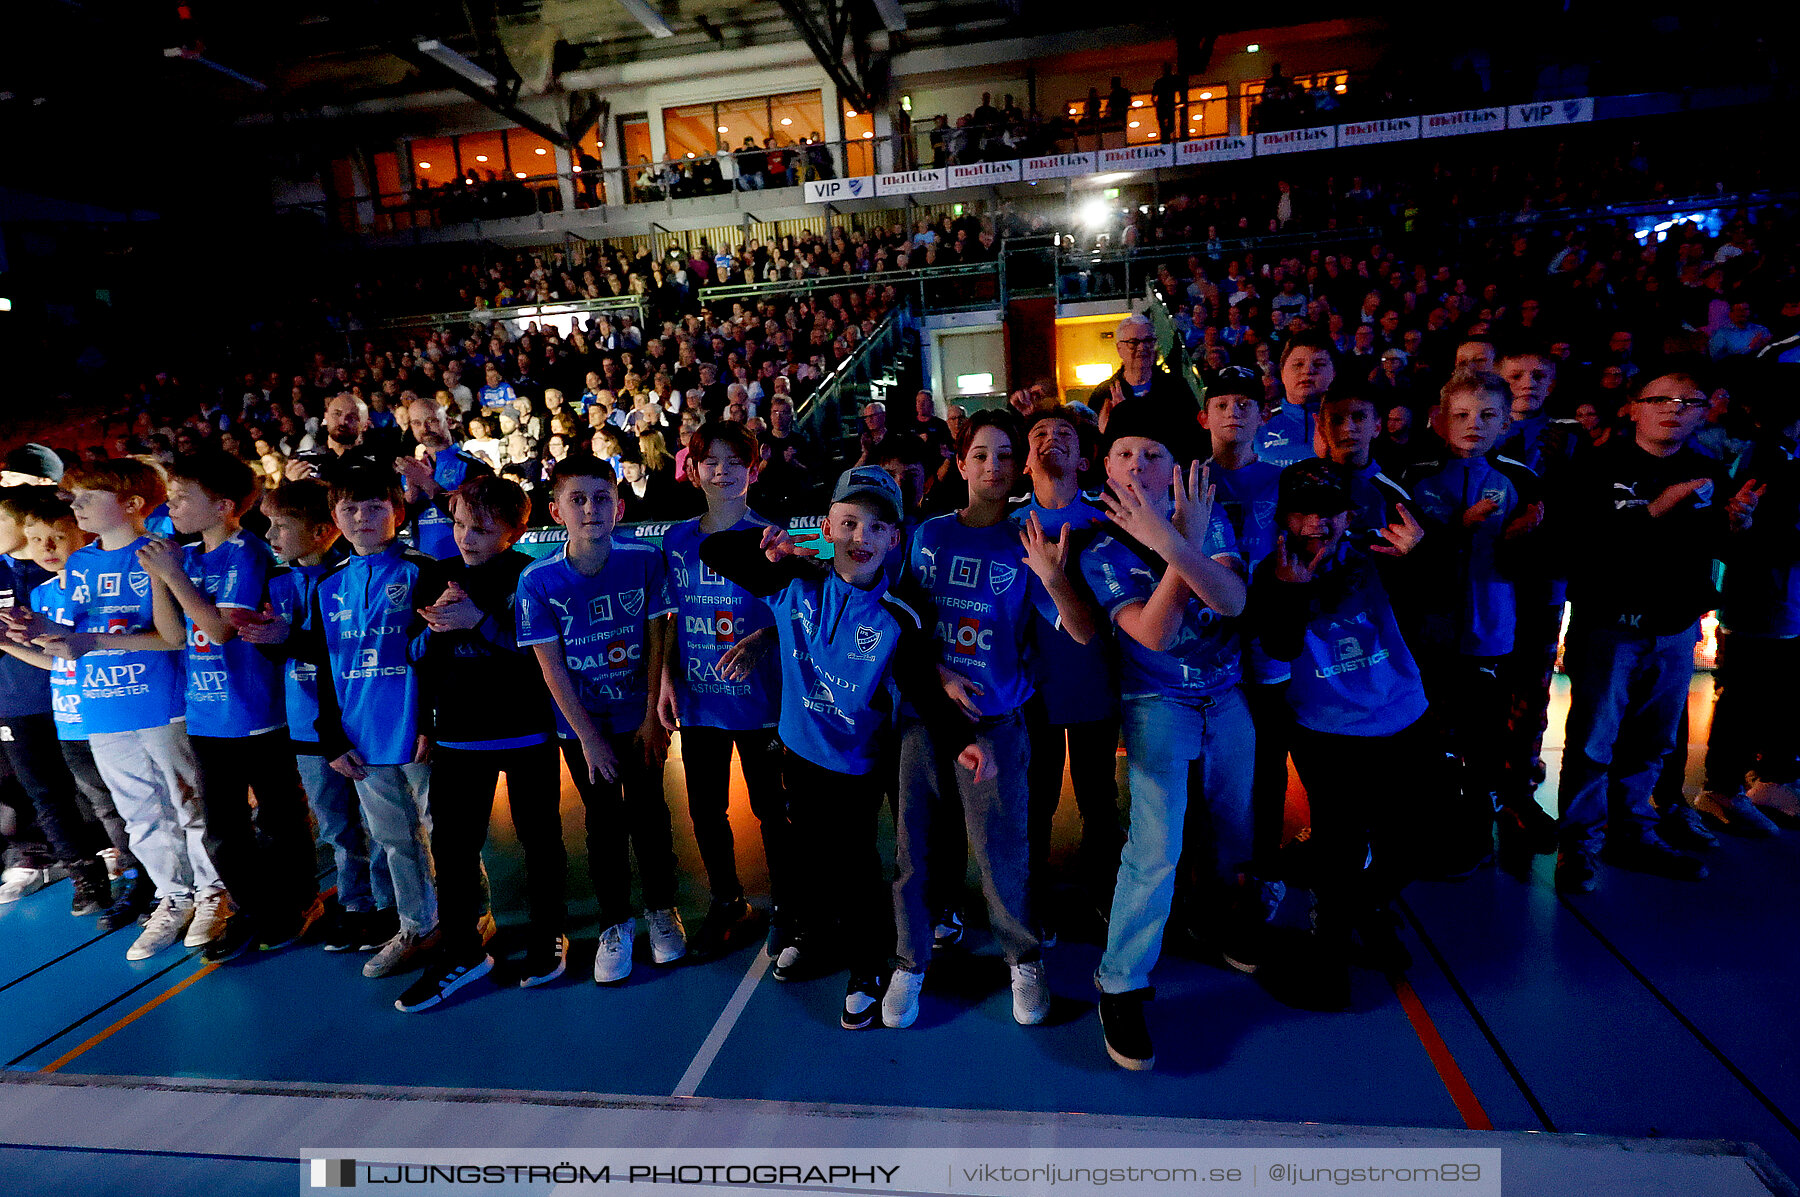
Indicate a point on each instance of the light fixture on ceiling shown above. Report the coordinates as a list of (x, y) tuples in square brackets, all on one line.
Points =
[(787, 120), (1342, 88), (424, 166), (1253, 48), (481, 157), (1134, 124), (866, 135), (1137, 103), (724, 128), (455, 63), (1206, 95), (648, 17), (541, 151), (518, 174)]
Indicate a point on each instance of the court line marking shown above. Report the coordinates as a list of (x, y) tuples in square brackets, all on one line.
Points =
[(1481, 1023), (57, 960), (102, 1008), (1461, 1094), (689, 1084), (95, 1040)]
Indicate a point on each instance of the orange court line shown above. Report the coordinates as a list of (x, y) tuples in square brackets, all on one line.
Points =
[(1458, 1085), (142, 1010)]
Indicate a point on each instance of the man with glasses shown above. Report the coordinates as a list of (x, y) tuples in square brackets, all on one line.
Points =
[(1139, 379), (1651, 514)]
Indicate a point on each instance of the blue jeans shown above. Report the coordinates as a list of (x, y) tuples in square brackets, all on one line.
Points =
[(1627, 689), (395, 804), (363, 883), (1162, 737)]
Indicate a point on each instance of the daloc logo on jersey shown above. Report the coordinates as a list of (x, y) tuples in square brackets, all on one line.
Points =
[(868, 639), (396, 596), (1000, 577), (633, 602)]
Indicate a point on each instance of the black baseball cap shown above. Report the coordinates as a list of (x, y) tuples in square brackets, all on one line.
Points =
[(1138, 417), (1312, 487), (36, 461), (1237, 380)]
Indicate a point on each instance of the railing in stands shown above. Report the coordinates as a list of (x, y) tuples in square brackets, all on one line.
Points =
[(1110, 274), (820, 415), (1170, 345), (937, 288), (631, 305)]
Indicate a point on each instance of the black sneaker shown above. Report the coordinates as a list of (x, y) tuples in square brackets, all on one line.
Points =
[(440, 980), (862, 1001), (1681, 828), (1575, 872), (727, 926), (1526, 826), (1127, 1035), (237, 937), (1651, 855), (346, 931), (93, 892), (781, 933), (131, 907), (1378, 945), (946, 930), (545, 960)]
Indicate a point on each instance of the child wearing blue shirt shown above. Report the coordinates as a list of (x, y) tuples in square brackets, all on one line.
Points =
[(1307, 372), (131, 699), (303, 536), (1358, 707), (844, 638), (371, 723), (989, 582), (235, 716), (431, 478), (1074, 713), (1480, 511), (594, 616), (1168, 574), (704, 694)]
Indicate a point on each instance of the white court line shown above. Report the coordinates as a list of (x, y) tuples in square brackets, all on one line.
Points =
[(715, 1039)]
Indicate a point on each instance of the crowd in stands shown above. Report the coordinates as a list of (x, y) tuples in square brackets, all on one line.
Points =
[(1415, 452)]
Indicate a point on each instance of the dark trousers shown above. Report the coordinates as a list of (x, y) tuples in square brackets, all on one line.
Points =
[(706, 760), (462, 804), (1754, 718), (30, 746), (1274, 723), (1365, 812), (96, 801), (834, 818), (1091, 750), (1526, 673), (1469, 706), (268, 862), (622, 815)]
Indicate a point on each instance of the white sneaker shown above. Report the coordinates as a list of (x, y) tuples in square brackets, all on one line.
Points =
[(211, 910), (900, 1004), (613, 960), (399, 954), (1030, 993), (668, 938), (1776, 796), (1736, 812), (15, 883), (171, 916)]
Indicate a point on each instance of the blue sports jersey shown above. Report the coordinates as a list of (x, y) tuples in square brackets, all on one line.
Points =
[(1374, 499), (601, 623), (1247, 497), (110, 592), (1287, 437), (158, 523), (497, 396), (1078, 682), (712, 614), (24, 688), (290, 597), (365, 612), (433, 530), (1203, 660), (51, 600), (233, 689), (984, 595), (1466, 601)]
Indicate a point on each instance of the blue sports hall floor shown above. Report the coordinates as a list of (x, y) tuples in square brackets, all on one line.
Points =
[(1654, 1016)]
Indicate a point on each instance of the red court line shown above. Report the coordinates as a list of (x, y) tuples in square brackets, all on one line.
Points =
[(1454, 1081), (142, 1010)]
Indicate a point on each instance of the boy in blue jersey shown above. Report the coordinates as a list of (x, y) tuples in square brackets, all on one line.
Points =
[(1074, 712), (470, 647), (235, 715), (989, 583), (131, 699), (431, 478), (1480, 510), (1653, 515), (1245, 486), (1307, 372), (844, 638), (28, 739), (593, 614), (1359, 707), (1169, 575), (303, 536), (715, 708), (1349, 422), (372, 720), (51, 538)]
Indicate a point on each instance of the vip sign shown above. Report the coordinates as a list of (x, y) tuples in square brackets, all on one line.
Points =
[(825, 191), (1550, 112)]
